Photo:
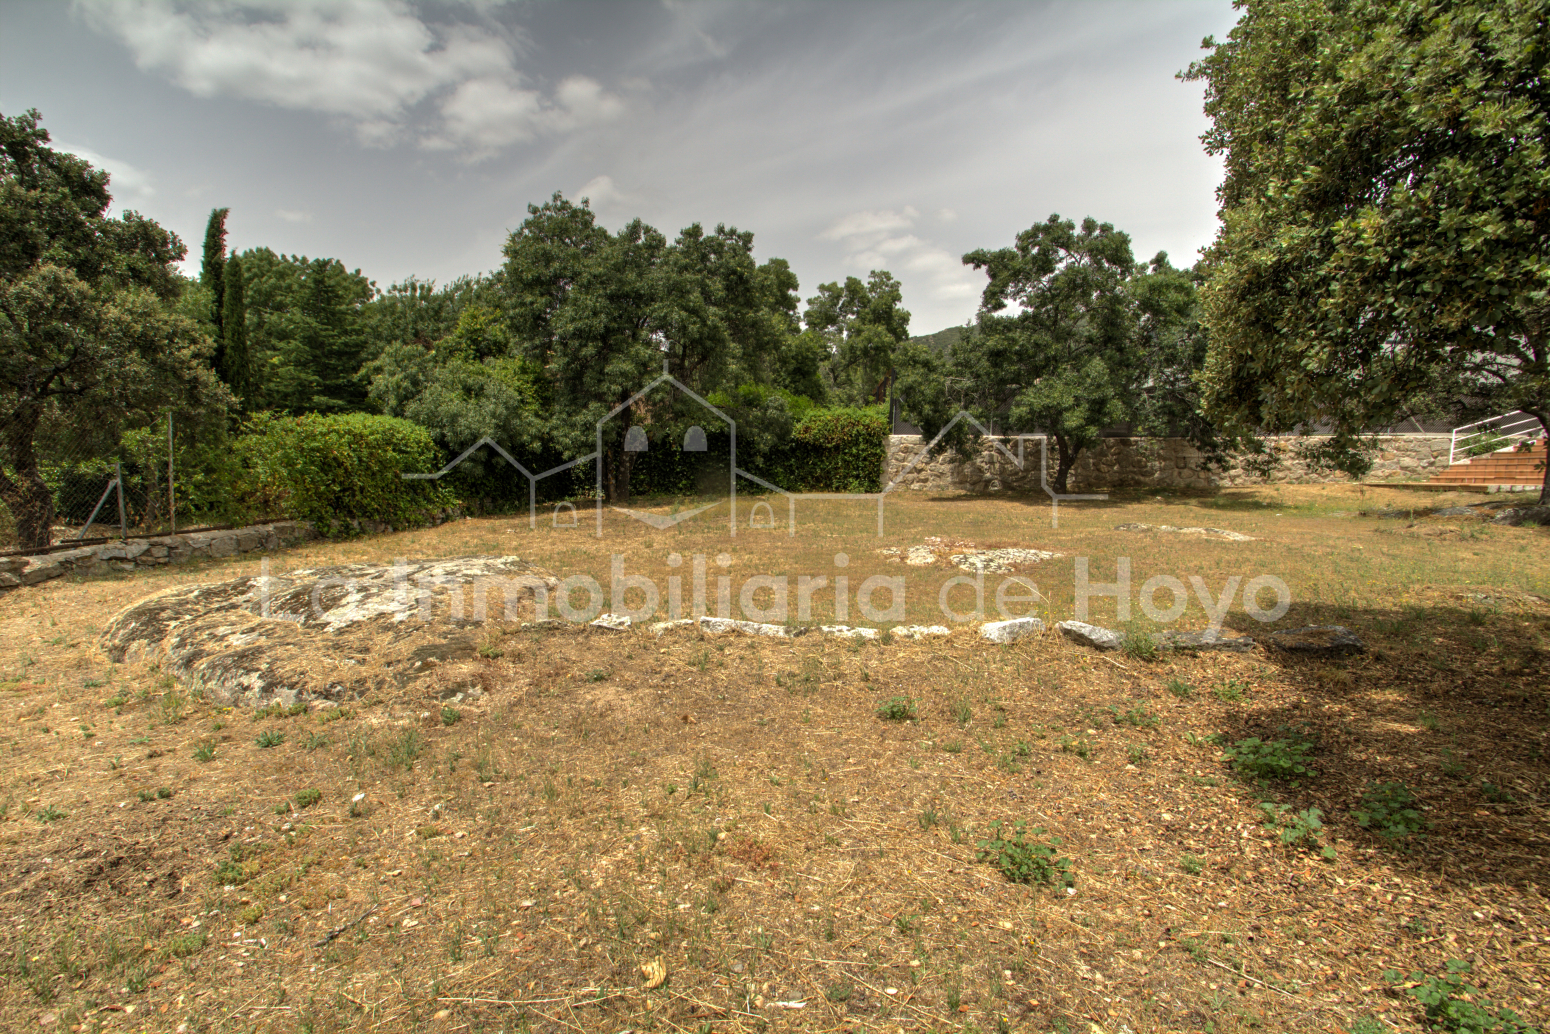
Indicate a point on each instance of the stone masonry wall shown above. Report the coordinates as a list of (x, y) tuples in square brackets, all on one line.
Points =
[(137, 553), (1139, 462)]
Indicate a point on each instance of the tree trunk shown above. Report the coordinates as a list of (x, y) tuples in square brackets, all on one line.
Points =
[(1542, 449), (616, 475), (1066, 459), (25, 492)]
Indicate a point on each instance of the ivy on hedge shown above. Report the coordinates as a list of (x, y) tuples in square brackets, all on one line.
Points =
[(339, 470)]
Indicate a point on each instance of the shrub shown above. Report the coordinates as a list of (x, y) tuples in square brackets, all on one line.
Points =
[(1265, 760), (1304, 827), (1388, 809), (1022, 860), (1454, 1004), (337, 471), (896, 709)]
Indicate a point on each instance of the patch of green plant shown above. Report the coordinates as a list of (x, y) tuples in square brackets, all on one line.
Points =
[(1178, 687), (1137, 716), (1451, 766), (116, 702), (1139, 644), (962, 712), (953, 747), (450, 715), (1022, 860), (405, 749), (205, 752), (1389, 810), (308, 797), (315, 741), (1454, 1004), (896, 709), (1192, 865), (1294, 828), (928, 818), (334, 714), (1230, 691), (1278, 760), (1136, 754), (1074, 745), (597, 674), (1495, 794), (270, 738), (48, 814), (839, 992), (185, 944)]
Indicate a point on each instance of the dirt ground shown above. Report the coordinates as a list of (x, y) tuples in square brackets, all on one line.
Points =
[(622, 831)]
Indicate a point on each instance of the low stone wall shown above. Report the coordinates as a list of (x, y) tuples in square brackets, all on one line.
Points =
[(1139, 462), (132, 554)]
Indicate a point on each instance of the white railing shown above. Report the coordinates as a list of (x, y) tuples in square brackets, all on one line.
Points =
[(1505, 431)]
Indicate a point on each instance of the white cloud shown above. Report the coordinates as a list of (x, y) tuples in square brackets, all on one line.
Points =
[(867, 223), (293, 217), (128, 184), (870, 241), (370, 62), (601, 191)]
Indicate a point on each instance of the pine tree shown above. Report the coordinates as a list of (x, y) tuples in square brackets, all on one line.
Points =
[(212, 271), (235, 367)]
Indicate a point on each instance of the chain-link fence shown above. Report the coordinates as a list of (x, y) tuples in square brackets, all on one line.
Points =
[(81, 481)]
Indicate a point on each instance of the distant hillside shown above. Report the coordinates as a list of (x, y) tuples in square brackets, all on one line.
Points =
[(942, 339)]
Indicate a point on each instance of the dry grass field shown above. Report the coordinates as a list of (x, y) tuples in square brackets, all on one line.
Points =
[(762, 825)]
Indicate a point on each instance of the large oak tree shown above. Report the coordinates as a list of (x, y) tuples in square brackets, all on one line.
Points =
[(88, 336), (1384, 214)]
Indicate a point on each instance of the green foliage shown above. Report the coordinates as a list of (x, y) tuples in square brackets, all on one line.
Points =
[(1230, 690), (1137, 716), (91, 339), (1178, 687), (1362, 274), (1022, 860), (308, 797), (450, 715), (1280, 760), (334, 470), (205, 752), (1191, 864), (1454, 1004), (1139, 644), (861, 326), (897, 709), (1113, 343), (1295, 828), (1389, 810), (270, 738)]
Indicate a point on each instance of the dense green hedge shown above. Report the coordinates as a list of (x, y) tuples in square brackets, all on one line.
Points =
[(825, 450), (834, 450), (339, 471)]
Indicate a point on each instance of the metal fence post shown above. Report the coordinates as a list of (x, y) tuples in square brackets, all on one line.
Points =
[(118, 479), (172, 502)]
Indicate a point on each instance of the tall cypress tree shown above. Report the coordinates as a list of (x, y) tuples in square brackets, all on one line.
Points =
[(234, 364), (212, 271)]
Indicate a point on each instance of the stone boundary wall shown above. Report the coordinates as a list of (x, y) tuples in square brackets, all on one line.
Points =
[(1142, 462), (131, 554)]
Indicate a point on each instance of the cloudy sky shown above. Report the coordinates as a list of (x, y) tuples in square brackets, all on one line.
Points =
[(409, 138)]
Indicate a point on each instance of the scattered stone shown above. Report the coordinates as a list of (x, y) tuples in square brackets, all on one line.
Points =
[(1092, 635), (720, 626), (1518, 516), (846, 632), (1010, 631), (1219, 533), (919, 631), (1206, 640), (613, 622), (999, 560), (255, 640), (1316, 641), (1454, 511)]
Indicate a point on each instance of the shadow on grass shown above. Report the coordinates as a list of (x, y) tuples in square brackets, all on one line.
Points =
[(1452, 700)]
